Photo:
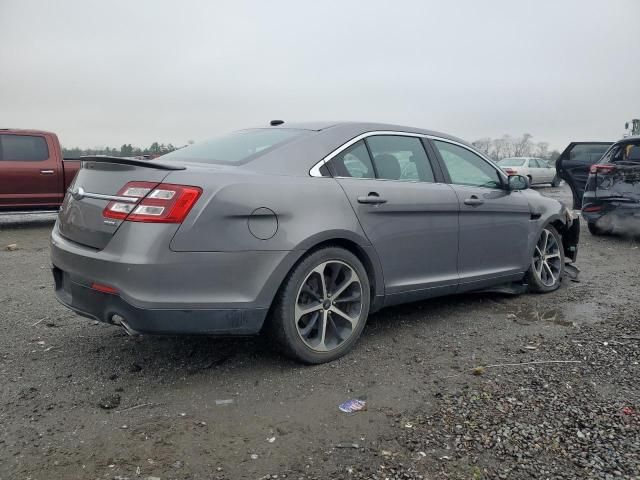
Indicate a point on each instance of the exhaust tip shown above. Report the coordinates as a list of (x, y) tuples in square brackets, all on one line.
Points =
[(120, 320)]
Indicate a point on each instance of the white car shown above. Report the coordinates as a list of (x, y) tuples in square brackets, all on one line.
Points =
[(537, 170)]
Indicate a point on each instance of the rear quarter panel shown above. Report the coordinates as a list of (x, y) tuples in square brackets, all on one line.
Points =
[(303, 208)]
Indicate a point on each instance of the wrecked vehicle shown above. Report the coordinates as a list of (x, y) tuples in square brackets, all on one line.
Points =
[(574, 163), (612, 195), (299, 230)]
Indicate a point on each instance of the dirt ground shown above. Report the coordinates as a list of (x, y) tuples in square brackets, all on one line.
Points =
[(82, 400)]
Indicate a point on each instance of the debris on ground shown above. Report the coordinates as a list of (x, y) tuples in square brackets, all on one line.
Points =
[(227, 401), (110, 401), (351, 406), (11, 247)]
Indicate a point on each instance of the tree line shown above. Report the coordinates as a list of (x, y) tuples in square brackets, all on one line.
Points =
[(508, 146), (126, 150)]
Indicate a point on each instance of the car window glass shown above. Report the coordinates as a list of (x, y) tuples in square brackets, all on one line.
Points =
[(353, 162), (235, 148), (467, 168), (534, 163), (32, 148), (587, 153), (400, 158)]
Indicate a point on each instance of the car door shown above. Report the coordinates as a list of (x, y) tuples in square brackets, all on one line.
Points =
[(407, 212), (29, 171), (546, 171), (574, 163), (494, 222)]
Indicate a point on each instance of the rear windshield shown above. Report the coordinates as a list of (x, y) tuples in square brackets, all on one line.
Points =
[(625, 153), (512, 162), (235, 148)]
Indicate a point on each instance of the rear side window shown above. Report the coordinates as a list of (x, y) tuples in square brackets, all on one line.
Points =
[(353, 162), (467, 168), (400, 158), (23, 148), (587, 153), (235, 148)]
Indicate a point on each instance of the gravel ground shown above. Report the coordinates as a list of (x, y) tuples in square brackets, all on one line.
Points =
[(83, 400)]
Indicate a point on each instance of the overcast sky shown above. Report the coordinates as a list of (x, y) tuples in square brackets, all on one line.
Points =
[(108, 72)]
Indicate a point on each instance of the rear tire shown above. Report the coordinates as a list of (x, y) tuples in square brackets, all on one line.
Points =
[(530, 179), (322, 306), (547, 262)]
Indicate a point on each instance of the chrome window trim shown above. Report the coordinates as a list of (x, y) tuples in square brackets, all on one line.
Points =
[(315, 170)]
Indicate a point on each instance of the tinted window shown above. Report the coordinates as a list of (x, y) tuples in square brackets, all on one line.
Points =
[(533, 163), (235, 148), (400, 158), (353, 162), (587, 153), (31, 148), (467, 168)]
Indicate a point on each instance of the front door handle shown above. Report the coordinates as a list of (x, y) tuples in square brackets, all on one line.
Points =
[(473, 201), (373, 198), (47, 172)]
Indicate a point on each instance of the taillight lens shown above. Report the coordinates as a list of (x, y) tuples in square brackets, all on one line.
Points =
[(602, 168), (510, 171), (163, 203)]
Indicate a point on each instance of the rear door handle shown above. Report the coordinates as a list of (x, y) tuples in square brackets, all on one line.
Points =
[(473, 201), (47, 172), (372, 198)]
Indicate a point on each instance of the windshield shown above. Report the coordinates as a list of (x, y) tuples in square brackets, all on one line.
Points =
[(512, 162), (235, 148)]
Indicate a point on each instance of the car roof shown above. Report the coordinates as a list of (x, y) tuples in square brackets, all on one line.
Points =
[(363, 127), (23, 130)]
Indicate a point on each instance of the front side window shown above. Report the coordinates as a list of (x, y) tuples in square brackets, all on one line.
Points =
[(235, 148), (23, 148), (587, 153), (467, 168), (402, 158), (353, 162)]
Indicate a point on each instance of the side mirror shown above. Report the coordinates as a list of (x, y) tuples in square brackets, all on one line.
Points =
[(518, 182)]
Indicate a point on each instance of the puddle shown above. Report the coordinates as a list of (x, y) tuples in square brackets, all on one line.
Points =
[(554, 315), (569, 316)]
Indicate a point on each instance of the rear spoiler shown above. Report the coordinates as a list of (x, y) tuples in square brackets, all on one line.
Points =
[(127, 161)]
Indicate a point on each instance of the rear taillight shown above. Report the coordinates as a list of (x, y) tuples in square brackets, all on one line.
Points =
[(510, 171), (592, 208), (602, 168), (163, 203)]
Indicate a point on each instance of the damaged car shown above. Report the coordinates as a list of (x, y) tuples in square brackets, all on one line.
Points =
[(612, 194), (300, 231)]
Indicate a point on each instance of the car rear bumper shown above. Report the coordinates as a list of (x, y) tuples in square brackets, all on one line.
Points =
[(111, 308), (165, 292), (615, 208)]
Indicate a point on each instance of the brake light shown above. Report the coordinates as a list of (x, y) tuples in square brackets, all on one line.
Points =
[(163, 203), (592, 208), (510, 171), (104, 288), (602, 168)]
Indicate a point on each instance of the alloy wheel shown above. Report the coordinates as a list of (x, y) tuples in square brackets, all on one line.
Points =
[(328, 306), (547, 260)]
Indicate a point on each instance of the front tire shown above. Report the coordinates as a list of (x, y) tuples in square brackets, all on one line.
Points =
[(547, 262), (322, 306)]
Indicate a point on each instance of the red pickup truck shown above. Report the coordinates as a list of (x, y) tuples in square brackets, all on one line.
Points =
[(33, 174)]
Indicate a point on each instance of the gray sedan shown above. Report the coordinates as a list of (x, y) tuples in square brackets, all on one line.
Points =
[(300, 231)]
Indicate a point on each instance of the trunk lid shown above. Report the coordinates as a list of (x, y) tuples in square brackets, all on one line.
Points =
[(81, 219)]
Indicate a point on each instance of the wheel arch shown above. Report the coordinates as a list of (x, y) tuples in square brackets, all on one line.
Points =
[(569, 230), (351, 242)]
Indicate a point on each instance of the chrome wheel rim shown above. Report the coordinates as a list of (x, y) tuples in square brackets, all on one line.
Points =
[(328, 306), (547, 262)]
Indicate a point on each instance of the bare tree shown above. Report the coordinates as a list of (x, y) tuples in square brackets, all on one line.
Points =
[(541, 149), (483, 145), (523, 146)]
